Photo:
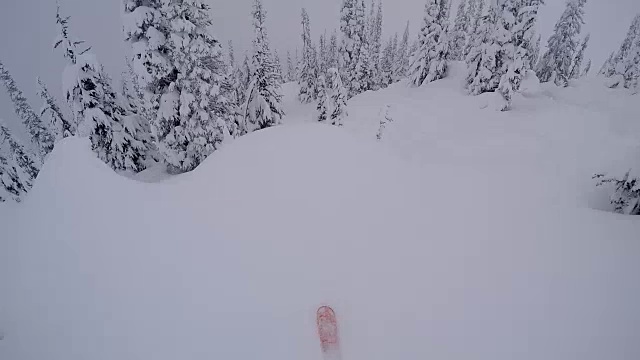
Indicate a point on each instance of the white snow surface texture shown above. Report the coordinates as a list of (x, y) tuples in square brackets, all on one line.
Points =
[(465, 233)]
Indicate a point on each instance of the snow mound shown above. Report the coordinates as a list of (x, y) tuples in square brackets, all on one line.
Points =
[(436, 243)]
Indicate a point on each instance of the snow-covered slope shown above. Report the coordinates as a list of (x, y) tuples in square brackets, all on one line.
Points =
[(460, 235)]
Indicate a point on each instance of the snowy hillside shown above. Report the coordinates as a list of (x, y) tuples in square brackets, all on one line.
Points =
[(465, 233)]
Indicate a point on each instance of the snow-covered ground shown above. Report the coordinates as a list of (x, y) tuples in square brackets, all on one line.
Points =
[(465, 233)]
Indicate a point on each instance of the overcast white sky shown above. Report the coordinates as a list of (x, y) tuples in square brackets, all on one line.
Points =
[(27, 30)]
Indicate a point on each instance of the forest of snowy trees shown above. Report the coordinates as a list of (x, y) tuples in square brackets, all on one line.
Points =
[(184, 95)]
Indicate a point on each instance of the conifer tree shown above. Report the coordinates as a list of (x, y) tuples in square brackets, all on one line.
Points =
[(352, 26), (430, 61), (278, 66), (562, 45), (263, 105), (576, 69), (98, 112), (332, 56), (535, 52), (615, 64), (606, 66), (387, 65), (42, 139), (333, 103), (460, 32), (587, 69), (482, 62), (59, 126), (308, 72), (401, 63), (291, 69), (18, 168), (363, 80)]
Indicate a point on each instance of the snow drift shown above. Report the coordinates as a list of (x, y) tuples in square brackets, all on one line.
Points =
[(449, 239)]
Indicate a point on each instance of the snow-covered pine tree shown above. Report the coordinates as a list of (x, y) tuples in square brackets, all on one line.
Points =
[(387, 65), (59, 126), (374, 38), (475, 15), (193, 112), (18, 168), (587, 69), (606, 66), (289, 75), (363, 80), (535, 52), (332, 52), (524, 32), (430, 62), (146, 29), (471, 15), (626, 197), (352, 26), (263, 105), (630, 67), (482, 62), (615, 64), (515, 36), (308, 73), (231, 54), (459, 33), (576, 69), (115, 137), (322, 56), (401, 58), (512, 55), (278, 66), (323, 100), (562, 45), (333, 105), (42, 139)]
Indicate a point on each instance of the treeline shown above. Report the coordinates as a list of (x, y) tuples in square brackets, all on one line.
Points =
[(182, 96)]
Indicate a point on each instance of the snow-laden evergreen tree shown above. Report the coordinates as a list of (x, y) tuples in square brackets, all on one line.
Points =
[(291, 69), (363, 80), (263, 106), (606, 66), (352, 26), (524, 33), (615, 64), (535, 52), (193, 112), (482, 62), (323, 102), (387, 65), (42, 139), (231, 54), (430, 61), (475, 15), (576, 69), (460, 31), (630, 67), (322, 56), (511, 38), (402, 57), (18, 168), (58, 125), (626, 197), (374, 40), (471, 16), (146, 29), (278, 66), (332, 56), (562, 45), (308, 72), (115, 136), (587, 69), (332, 107)]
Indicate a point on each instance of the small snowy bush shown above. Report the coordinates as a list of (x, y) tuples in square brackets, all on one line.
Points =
[(626, 198)]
